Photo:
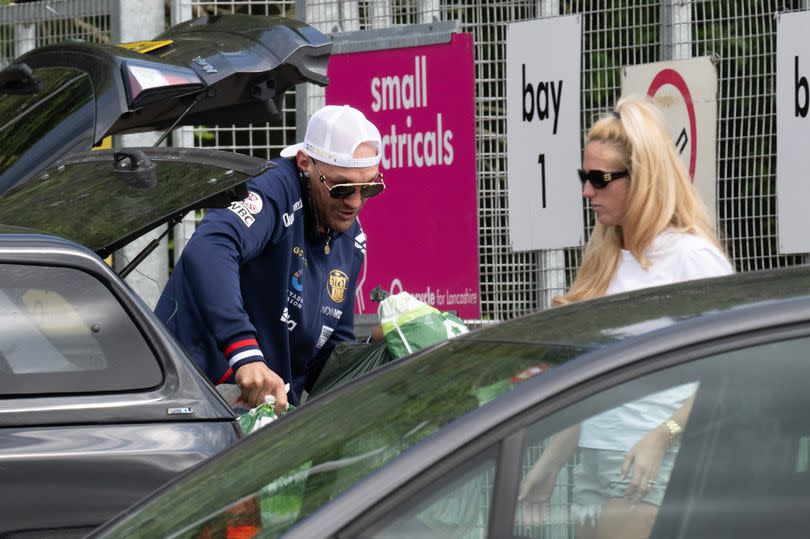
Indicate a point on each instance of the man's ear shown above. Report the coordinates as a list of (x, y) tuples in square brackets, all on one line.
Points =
[(302, 160)]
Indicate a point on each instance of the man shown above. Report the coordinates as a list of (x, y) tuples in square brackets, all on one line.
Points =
[(264, 290)]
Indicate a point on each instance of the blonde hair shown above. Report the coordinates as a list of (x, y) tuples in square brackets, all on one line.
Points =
[(661, 196)]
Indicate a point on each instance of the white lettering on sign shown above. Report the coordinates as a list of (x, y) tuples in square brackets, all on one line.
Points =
[(404, 145), (409, 92)]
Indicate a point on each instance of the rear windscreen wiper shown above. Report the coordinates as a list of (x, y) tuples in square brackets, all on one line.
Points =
[(18, 79)]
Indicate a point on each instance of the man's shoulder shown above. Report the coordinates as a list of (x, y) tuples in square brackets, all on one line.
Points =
[(283, 177)]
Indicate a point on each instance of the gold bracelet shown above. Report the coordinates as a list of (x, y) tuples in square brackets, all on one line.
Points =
[(674, 430)]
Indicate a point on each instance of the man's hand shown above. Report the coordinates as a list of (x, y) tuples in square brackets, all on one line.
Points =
[(256, 381), (377, 333)]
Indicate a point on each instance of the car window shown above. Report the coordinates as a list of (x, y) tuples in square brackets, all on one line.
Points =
[(739, 468), (457, 506), (343, 437), (35, 125), (62, 331)]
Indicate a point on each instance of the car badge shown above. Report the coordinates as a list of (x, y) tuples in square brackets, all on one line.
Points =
[(208, 68), (184, 410)]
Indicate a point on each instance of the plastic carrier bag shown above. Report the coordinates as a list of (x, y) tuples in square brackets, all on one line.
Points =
[(410, 325), (349, 361), (262, 415)]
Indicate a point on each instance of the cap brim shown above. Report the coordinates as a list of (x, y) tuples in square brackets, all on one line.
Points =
[(292, 151)]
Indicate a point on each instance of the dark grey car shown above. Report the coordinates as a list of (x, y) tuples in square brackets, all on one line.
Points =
[(98, 404), (436, 444)]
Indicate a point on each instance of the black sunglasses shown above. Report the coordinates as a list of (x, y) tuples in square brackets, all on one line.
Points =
[(345, 190), (599, 178)]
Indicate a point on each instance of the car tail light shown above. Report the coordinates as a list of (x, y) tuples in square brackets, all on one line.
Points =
[(149, 83)]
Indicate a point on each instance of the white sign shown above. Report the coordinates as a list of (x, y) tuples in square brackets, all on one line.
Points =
[(792, 130), (543, 133), (686, 93)]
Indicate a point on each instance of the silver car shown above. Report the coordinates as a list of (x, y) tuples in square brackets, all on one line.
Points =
[(98, 404)]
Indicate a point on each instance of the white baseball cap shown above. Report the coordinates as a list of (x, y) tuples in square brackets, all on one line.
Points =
[(333, 134)]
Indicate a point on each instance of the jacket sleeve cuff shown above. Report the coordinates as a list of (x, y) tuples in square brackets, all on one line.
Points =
[(241, 351), (243, 362)]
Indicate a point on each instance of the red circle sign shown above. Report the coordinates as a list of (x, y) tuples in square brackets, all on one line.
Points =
[(670, 76)]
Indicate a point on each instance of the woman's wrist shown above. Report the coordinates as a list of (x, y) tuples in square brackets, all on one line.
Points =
[(673, 430)]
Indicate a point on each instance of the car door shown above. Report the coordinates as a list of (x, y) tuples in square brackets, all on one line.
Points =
[(740, 469)]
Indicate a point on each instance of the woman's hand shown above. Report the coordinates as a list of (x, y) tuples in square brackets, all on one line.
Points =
[(535, 493), (536, 487), (643, 462)]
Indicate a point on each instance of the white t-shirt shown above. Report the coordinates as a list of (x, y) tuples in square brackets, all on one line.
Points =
[(673, 257)]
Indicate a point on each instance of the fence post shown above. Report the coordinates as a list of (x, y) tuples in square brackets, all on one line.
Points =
[(135, 21), (552, 262), (182, 137), (380, 13), (325, 16), (25, 38), (427, 11), (552, 282), (676, 29)]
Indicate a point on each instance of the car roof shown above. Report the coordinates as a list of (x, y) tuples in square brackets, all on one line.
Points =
[(448, 388), (618, 317)]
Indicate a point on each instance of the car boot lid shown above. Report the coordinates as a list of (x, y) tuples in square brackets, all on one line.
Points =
[(105, 199)]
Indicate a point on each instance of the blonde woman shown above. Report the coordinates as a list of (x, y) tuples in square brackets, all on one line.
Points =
[(652, 229)]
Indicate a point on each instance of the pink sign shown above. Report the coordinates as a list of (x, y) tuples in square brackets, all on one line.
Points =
[(422, 231)]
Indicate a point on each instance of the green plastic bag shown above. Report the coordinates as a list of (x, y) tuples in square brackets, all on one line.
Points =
[(410, 325), (262, 415)]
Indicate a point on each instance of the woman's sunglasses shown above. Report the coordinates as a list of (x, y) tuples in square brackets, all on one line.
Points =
[(599, 178), (345, 190)]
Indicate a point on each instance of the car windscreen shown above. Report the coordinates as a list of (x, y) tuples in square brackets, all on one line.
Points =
[(284, 473), (43, 121)]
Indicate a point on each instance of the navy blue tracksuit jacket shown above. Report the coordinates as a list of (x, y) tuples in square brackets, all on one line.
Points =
[(252, 285)]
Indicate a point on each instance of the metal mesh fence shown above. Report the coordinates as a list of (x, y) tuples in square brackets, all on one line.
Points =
[(264, 141), (740, 36), (29, 25)]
